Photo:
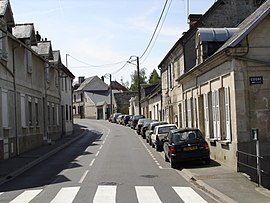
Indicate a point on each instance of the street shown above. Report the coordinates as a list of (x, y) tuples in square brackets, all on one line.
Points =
[(110, 163)]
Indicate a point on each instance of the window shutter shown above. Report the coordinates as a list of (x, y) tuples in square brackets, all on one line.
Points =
[(227, 114), (23, 114), (206, 115), (5, 112)]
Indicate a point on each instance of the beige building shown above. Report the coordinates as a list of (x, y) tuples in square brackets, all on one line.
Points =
[(226, 93)]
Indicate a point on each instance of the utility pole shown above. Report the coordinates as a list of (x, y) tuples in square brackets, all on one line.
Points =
[(139, 85), (111, 94)]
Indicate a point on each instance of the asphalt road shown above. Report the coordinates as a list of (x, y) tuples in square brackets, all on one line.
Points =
[(111, 163)]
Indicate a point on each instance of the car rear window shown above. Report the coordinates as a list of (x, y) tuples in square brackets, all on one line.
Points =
[(166, 129), (186, 136)]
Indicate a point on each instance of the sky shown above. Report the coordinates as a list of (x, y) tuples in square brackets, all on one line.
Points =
[(98, 37)]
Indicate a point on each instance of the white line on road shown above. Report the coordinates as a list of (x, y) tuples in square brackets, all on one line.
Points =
[(92, 162), (147, 194), (83, 176), (26, 196), (187, 194), (97, 153), (100, 147), (105, 194), (66, 195)]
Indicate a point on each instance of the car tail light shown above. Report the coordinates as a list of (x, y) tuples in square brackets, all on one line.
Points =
[(172, 150), (206, 146)]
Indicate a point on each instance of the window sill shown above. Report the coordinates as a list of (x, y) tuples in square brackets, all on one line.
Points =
[(225, 142), (213, 139), (6, 128)]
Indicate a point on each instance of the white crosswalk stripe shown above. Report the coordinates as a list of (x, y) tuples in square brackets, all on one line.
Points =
[(188, 195), (147, 194), (26, 196), (66, 195), (105, 194)]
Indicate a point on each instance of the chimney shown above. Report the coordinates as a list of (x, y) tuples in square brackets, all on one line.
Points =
[(193, 19), (81, 79)]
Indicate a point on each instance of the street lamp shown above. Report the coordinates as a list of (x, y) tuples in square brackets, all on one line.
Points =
[(67, 60), (111, 105)]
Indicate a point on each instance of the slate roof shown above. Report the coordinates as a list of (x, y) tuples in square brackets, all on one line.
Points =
[(44, 49), (4, 7), (248, 25), (25, 31), (93, 84), (99, 99)]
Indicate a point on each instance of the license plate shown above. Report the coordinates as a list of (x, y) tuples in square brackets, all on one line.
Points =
[(190, 148)]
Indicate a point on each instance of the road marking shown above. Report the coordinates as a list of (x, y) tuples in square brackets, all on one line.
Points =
[(105, 194), (83, 176), (103, 142), (26, 196), (100, 147), (79, 157), (147, 194), (92, 162), (187, 194), (97, 154), (66, 195)]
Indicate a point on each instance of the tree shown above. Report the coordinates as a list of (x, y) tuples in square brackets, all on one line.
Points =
[(154, 77), (134, 79)]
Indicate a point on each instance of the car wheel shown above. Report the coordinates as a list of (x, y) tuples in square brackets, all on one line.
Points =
[(207, 161), (173, 164), (166, 158), (147, 141), (150, 141), (157, 148)]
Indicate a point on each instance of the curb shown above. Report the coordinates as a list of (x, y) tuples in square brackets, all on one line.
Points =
[(18, 172), (215, 194)]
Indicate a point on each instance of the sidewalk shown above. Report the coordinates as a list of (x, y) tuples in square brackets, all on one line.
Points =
[(220, 182), (13, 167)]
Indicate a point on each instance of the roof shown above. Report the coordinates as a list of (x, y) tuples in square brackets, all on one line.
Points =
[(99, 99), (5, 10), (117, 86), (67, 71), (93, 84), (25, 31), (215, 34), (248, 25), (44, 48)]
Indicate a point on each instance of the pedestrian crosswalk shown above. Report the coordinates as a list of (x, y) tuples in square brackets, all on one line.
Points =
[(106, 194)]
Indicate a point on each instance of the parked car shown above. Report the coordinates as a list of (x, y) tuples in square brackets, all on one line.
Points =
[(150, 130), (119, 119), (115, 115), (126, 120), (135, 119), (185, 145), (160, 132), (140, 124), (130, 120), (144, 127)]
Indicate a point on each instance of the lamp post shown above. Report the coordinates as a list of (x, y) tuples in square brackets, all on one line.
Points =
[(67, 60)]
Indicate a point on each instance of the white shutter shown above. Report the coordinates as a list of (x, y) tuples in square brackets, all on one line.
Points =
[(189, 113), (195, 113), (216, 114), (206, 116), (227, 114), (218, 133)]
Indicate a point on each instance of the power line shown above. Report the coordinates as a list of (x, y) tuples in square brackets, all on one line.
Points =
[(161, 15), (158, 32), (96, 66)]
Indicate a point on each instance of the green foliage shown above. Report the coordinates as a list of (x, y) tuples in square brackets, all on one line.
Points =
[(154, 77), (134, 79)]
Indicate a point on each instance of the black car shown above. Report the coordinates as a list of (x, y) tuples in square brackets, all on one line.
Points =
[(185, 145), (135, 119), (126, 119), (140, 124)]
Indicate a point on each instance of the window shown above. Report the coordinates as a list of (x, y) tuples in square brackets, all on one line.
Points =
[(216, 114), (3, 48), (53, 115), (49, 115), (57, 114), (28, 61), (23, 114), (227, 114), (30, 112), (66, 112), (70, 113), (65, 84), (195, 121), (206, 115), (5, 112), (37, 113), (189, 112)]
